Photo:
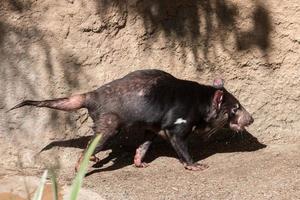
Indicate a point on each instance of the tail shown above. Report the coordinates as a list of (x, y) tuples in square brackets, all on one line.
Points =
[(67, 104)]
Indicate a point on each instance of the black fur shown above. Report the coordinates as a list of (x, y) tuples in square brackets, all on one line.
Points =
[(154, 101)]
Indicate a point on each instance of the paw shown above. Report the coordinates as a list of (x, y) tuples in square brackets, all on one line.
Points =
[(195, 167), (141, 165)]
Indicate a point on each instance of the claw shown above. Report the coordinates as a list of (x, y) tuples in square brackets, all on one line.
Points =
[(141, 165), (195, 167), (94, 159)]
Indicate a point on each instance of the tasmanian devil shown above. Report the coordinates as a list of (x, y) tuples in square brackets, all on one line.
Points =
[(156, 102)]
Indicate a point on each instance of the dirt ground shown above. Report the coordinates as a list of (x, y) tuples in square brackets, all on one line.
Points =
[(271, 173), (240, 168)]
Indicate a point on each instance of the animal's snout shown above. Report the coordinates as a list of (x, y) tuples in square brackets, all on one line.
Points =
[(251, 120), (247, 121), (244, 119)]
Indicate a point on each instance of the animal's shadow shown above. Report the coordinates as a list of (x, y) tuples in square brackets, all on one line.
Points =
[(123, 148)]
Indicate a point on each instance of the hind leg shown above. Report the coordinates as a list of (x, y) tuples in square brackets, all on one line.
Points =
[(140, 154), (142, 150), (107, 126)]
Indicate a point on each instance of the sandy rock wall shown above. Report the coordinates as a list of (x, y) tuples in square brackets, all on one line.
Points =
[(54, 48)]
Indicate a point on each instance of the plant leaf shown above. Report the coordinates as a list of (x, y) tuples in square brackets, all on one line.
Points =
[(54, 185), (39, 192), (77, 183)]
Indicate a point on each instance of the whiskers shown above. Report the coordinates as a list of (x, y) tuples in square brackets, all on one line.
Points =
[(212, 131), (218, 124)]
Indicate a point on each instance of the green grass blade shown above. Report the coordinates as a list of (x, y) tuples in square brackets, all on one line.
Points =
[(54, 185), (39, 192), (83, 167)]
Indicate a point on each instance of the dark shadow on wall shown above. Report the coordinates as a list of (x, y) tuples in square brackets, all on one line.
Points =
[(196, 25), (259, 34), (17, 5), (17, 43)]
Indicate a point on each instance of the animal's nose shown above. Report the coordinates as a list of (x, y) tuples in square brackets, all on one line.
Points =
[(251, 120)]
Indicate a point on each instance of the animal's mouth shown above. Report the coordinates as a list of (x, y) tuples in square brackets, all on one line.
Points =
[(236, 127)]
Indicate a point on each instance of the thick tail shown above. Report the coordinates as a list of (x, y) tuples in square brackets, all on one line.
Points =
[(67, 104)]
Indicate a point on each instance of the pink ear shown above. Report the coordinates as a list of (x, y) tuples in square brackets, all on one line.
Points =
[(218, 98), (218, 83)]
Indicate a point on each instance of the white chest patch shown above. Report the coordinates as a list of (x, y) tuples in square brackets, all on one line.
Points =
[(194, 128), (141, 93), (180, 121)]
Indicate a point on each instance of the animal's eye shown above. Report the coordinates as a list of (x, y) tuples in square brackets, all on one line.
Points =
[(235, 108)]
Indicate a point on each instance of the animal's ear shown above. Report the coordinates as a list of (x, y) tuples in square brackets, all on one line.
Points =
[(218, 99), (218, 83)]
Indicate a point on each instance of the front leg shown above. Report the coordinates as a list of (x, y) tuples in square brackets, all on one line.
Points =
[(178, 140)]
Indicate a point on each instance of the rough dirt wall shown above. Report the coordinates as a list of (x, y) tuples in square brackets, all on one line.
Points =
[(54, 48)]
